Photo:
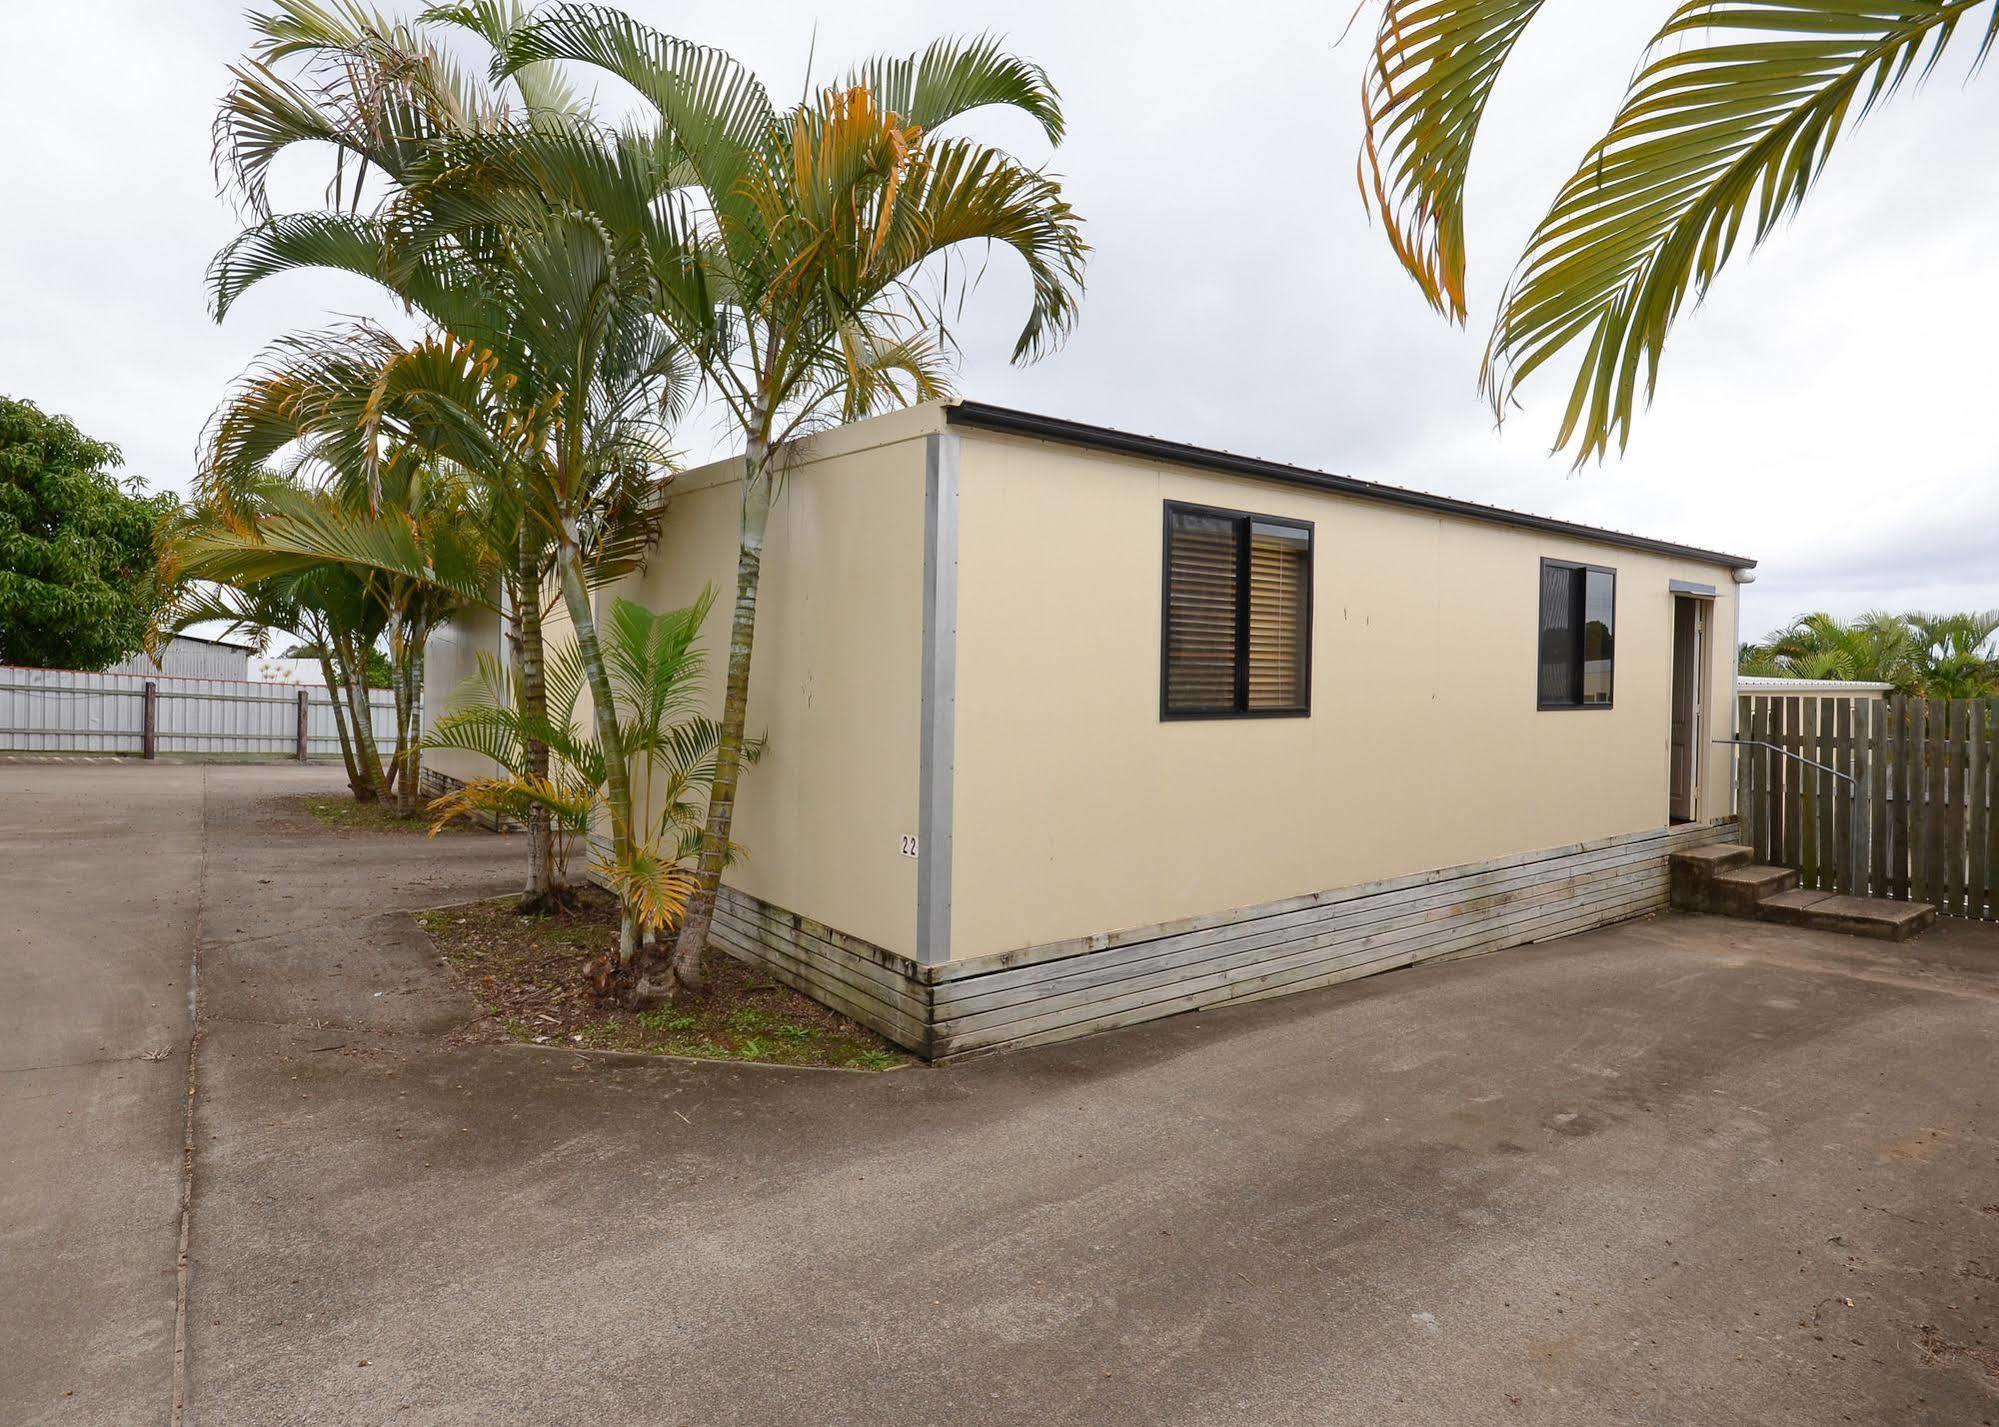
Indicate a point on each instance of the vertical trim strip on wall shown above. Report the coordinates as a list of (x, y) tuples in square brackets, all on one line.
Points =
[(1735, 696), (938, 742)]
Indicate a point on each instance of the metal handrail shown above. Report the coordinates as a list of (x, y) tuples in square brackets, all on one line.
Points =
[(1799, 757)]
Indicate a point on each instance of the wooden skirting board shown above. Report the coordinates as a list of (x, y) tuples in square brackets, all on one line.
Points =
[(1068, 989), (432, 784)]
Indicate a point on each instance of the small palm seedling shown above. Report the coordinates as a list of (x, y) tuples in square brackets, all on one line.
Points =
[(656, 669)]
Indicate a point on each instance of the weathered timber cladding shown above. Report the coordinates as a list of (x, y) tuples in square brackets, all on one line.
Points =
[(1058, 992), (876, 987), (1912, 817), (1029, 998)]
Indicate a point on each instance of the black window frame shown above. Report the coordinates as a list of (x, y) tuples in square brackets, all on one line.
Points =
[(1582, 633), (1244, 520)]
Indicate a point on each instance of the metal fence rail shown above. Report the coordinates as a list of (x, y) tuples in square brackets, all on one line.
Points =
[(61, 711)]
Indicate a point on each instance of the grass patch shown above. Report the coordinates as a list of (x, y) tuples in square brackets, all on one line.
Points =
[(527, 973), (341, 811)]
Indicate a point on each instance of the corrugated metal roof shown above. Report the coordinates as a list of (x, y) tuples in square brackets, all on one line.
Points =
[(1771, 684)]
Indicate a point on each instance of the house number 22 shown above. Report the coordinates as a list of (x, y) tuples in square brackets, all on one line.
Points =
[(909, 844)]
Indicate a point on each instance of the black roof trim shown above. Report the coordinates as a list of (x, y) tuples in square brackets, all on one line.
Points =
[(983, 417)]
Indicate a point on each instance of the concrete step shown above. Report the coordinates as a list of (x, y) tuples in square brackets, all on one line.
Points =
[(1856, 916), (1740, 891), (1714, 857), (1693, 873), (1758, 876)]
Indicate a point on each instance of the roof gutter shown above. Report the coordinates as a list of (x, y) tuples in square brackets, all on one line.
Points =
[(980, 416)]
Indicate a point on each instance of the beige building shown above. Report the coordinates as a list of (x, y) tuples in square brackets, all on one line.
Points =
[(1070, 728)]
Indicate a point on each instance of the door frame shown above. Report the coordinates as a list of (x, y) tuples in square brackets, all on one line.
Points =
[(1699, 695)]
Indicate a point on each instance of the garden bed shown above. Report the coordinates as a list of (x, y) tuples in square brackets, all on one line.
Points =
[(528, 975), (339, 810)]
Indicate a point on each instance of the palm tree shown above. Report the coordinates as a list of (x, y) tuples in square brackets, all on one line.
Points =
[(1729, 120), (1943, 656), (315, 464), (798, 238), (589, 379), (402, 569), (327, 609), (1957, 654), (656, 667), (381, 94), (1875, 647), (576, 375)]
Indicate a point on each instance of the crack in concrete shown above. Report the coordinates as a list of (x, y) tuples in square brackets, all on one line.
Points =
[(231, 943), (81, 1064), (183, 1269), (344, 1027), (1930, 983)]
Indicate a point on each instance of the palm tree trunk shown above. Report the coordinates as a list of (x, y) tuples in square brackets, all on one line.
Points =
[(374, 786), (541, 892), (340, 722), (412, 739), (604, 712), (692, 944), (399, 660)]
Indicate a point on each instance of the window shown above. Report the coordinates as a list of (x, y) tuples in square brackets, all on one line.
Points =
[(1578, 635), (1236, 630)]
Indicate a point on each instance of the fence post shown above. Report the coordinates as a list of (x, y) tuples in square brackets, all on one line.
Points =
[(149, 721), (301, 723), (1861, 767)]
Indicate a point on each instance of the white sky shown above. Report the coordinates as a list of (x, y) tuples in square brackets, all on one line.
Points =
[(1829, 412)]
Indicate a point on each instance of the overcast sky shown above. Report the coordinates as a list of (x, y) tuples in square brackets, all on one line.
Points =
[(1830, 410)]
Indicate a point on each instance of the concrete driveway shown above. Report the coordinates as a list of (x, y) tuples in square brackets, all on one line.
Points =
[(1684, 1170)]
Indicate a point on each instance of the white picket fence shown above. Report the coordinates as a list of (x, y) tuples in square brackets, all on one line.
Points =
[(60, 711)]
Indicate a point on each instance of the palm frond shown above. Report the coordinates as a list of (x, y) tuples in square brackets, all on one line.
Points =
[(545, 90), (1423, 97), (954, 76), (1725, 129), (652, 885), (303, 531), (515, 797), (715, 113), (342, 242), (655, 664)]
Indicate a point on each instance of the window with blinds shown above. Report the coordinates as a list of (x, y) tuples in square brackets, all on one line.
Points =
[(1578, 635), (1237, 623)]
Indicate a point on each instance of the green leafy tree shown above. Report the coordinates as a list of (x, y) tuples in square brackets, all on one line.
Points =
[(78, 559), (1734, 109), (379, 674)]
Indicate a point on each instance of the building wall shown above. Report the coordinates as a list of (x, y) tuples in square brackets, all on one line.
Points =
[(185, 658), (834, 681), (276, 669), (450, 658), (1078, 811)]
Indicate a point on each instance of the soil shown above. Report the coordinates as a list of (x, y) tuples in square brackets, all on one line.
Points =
[(341, 811), (528, 974)]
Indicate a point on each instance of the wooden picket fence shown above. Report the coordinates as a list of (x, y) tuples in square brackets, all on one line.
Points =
[(1880, 798)]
